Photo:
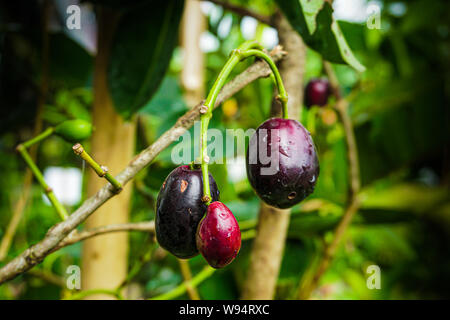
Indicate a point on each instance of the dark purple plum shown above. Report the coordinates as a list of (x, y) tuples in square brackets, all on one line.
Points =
[(292, 172), (218, 236), (179, 209), (317, 92)]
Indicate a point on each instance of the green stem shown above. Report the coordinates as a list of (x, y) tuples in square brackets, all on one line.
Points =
[(49, 131), (178, 291), (40, 178), (86, 293), (282, 94), (100, 170), (245, 50)]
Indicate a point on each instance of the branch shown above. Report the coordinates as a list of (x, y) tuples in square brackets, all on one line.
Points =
[(353, 188), (48, 277), (74, 237), (244, 12), (36, 253)]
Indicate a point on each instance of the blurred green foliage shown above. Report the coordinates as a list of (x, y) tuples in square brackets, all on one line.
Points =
[(400, 110)]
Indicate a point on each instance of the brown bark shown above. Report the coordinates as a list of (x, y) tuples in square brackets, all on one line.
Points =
[(104, 259), (268, 246)]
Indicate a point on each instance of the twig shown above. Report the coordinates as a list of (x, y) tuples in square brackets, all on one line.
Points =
[(244, 12), (36, 253), (83, 294), (352, 206), (74, 237), (187, 276), (60, 209), (101, 171), (178, 291), (48, 277)]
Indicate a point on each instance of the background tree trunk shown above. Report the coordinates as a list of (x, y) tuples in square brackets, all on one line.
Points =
[(105, 258), (193, 73), (268, 246)]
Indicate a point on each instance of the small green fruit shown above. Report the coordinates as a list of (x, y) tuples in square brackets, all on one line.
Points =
[(74, 130)]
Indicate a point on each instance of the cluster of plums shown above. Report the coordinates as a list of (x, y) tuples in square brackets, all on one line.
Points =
[(185, 225), (182, 227)]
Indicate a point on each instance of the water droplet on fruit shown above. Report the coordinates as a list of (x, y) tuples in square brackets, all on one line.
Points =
[(292, 195)]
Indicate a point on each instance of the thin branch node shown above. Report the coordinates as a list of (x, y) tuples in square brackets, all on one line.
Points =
[(77, 149), (203, 109), (105, 170), (206, 199)]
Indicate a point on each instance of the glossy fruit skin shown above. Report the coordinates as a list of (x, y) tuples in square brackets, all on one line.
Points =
[(179, 209), (219, 236), (74, 130), (317, 92), (298, 166)]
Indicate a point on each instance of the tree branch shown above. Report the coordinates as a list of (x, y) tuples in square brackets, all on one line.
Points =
[(74, 237), (36, 253), (353, 189), (244, 12)]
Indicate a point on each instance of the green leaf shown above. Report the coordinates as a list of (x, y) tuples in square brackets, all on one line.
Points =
[(313, 20), (141, 52)]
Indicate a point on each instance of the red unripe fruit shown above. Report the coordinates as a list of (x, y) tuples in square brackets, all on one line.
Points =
[(218, 236)]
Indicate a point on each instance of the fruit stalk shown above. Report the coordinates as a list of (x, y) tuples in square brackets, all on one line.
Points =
[(282, 94), (245, 50)]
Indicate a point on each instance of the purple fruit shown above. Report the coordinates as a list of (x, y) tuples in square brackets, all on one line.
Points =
[(317, 92), (218, 236), (282, 164), (179, 209)]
